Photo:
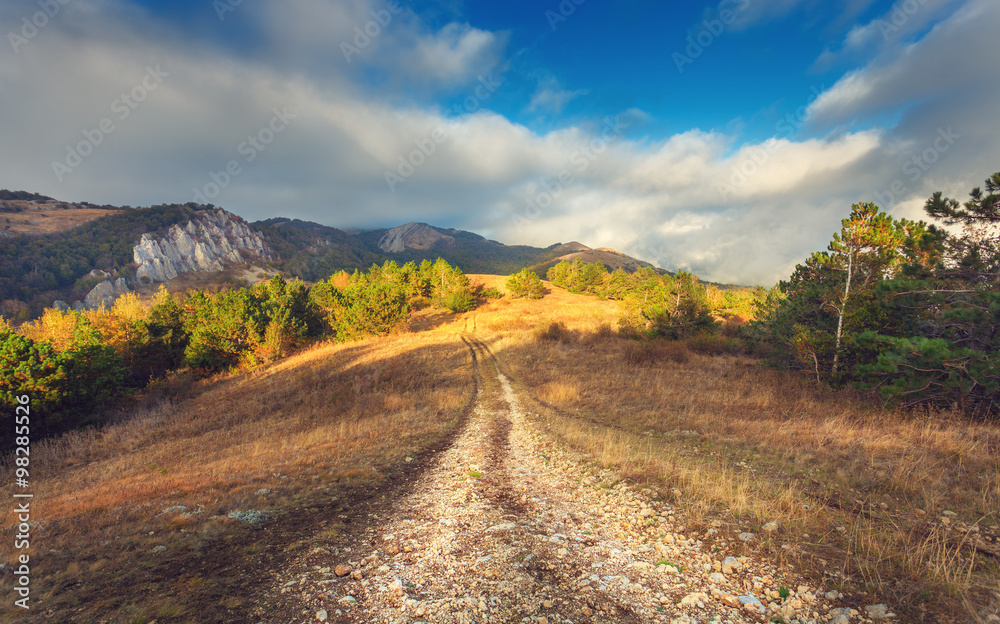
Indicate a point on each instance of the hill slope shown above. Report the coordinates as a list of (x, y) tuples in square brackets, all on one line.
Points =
[(56, 251)]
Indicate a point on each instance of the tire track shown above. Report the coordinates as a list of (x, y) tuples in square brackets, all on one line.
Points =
[(505, 527)]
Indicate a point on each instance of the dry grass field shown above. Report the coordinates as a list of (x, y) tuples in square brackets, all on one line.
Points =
[(48, 219), (140, 521), (902, 506)]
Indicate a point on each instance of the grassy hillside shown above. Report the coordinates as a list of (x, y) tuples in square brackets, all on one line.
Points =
[(153, 518), (177, 513)]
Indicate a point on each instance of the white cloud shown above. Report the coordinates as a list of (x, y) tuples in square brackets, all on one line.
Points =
[(550, 96), (456, 53), (957, 53), (657, 198)]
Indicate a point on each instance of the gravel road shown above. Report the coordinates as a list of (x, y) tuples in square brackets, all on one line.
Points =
[(507, 525)]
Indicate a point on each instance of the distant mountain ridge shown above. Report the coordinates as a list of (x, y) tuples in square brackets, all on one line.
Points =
[(140, 245), (610, 258)]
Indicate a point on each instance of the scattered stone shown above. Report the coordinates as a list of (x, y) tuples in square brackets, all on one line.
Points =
[(503, 526), (751, 604), (396, 587), (840, 616), (729, 600), (746, 537), (321, 615), (474, 560), (770, 527), (878, 611), (730, 565), (694, 599)]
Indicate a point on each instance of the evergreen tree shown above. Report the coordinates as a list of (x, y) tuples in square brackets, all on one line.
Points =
[(525, 284)]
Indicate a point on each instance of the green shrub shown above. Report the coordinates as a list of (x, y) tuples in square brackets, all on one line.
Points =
[(459, 301), (525, 284)]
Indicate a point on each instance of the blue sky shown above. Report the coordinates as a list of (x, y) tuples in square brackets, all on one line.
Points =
[(528, 122)]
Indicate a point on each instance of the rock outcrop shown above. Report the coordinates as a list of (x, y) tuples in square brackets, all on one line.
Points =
[(411, 236), (105, 293), (208, 242)]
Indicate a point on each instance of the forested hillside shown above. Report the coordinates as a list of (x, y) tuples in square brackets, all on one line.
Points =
[(37, 270), (311, 251)]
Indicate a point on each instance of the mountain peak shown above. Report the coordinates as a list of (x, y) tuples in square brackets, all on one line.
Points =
[(411, 235)]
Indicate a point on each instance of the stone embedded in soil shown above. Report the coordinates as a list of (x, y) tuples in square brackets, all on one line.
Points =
[(731, 565), (878, 611), (543, 535)]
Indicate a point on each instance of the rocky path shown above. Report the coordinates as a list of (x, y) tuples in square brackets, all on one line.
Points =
[(506, 526)]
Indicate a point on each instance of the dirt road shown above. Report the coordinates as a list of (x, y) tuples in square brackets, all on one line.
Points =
[(507, 526)]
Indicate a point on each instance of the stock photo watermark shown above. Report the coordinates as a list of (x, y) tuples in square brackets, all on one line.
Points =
[(364, 35), (122, 108), (581, 160), (225, 6), (249, 149), (787, 126), (709, 30), (562, 13), (32, 25), (427, 146), (900, 13), (22, 499), (915, 168)]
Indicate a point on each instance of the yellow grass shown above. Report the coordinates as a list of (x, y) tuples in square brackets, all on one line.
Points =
[(730, 439), (49, 220), (307, 428), (858, 492)]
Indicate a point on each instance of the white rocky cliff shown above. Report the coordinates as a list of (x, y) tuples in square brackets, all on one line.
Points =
[(210, 241)]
